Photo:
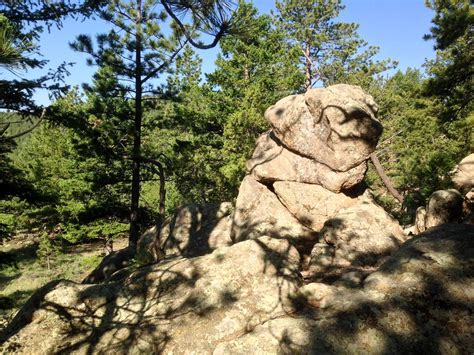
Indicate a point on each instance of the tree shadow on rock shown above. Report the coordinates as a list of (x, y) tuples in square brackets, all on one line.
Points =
[(420, 300)]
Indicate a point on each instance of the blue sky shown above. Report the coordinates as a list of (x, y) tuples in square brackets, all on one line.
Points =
[(396, 26)]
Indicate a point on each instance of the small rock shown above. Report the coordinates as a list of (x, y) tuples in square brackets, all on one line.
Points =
[(444, 206), (316, 294)]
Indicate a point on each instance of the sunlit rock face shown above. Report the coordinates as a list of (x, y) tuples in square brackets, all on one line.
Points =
[(463, 174), (443, 206), (419, 300), (335, 126), (309, 166), (326, 270), (323, 137), (179, 306), (271, 161)]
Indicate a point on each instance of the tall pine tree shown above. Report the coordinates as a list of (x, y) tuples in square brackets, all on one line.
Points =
[(138, 52), (329, 51), (253, 72)]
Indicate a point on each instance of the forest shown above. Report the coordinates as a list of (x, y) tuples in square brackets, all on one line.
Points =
[(105, 161)]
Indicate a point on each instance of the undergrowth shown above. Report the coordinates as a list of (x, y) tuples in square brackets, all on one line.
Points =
[(28, 263)]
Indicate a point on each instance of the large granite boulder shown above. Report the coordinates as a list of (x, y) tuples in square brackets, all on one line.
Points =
[(463, 175), (335, 126), (271, 161), (305, 170), (311, 204), (179, 306), (421, 300), (444, 206), (258, 212), (356, 239), (193, 230)]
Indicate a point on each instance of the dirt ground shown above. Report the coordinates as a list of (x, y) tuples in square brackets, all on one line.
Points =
[(22, 272)]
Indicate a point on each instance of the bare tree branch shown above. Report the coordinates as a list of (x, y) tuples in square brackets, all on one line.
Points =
[(386, 180)]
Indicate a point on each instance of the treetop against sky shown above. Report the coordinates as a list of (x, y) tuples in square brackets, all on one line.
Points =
[(396, 26)]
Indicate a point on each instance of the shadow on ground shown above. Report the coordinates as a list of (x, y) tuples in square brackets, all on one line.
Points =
[(419, 300)]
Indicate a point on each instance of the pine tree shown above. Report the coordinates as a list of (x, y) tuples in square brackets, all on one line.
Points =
[(452, 71), (138, 52), (330, 51), (253, 72), (26, 21)]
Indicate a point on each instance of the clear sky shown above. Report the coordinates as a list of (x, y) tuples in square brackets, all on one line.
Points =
[(396, 26)]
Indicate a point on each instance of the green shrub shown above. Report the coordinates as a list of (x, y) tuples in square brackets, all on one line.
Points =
[(100, 229)]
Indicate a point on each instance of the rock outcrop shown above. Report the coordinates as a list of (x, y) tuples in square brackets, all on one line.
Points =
[(335, 126), (419, 301), (271, 161), (193, 230), (463, 175), (444, 206), (312, 205), (307, 168), (307, 262), (322, 137), (259, 212), (178, 306), (356, 240)]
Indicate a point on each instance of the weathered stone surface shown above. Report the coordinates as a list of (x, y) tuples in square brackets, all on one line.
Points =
[(469, 207), (180, 306), (443, 206), (259, 212), (194, 230), (317, 294), (273, 162), (312, 205), (321, 259), (463, 176), (420, 220), (335, 126), (421, 300), (357, 238), (286, 335), (148, 247)]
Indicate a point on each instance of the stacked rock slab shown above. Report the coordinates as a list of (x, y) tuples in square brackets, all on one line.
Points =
[(303, 183), (322, 137)]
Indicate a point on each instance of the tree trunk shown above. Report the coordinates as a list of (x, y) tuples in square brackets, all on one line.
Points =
[(161, 174), (386, 180), (308, 74), (135, 200)]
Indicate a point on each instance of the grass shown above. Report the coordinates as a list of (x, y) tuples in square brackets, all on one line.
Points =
[(22, 272)]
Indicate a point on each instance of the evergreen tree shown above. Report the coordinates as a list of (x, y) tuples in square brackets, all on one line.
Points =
[(26, 21), (138, 52), (417, 150), (253, 72), (330, 51), (21, 24), (10, 49), (451, 73)]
